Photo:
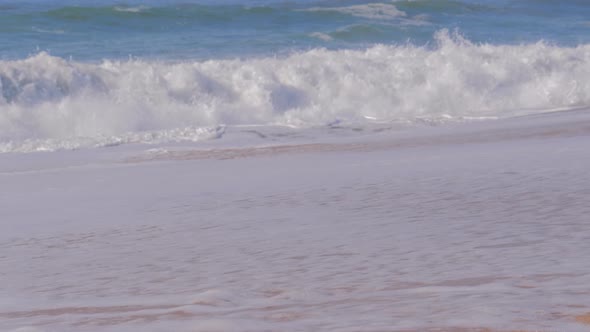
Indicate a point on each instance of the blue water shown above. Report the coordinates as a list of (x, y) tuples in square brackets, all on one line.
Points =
[(185, 29), (82, 74)]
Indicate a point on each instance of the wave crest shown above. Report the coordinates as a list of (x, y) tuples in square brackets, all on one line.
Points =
[(49, 98), (379, 11)]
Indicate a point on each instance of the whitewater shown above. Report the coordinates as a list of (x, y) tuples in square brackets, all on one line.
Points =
[(311, 165), (49, 103)]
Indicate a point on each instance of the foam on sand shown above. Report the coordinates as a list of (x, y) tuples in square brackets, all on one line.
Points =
[(550, 125)]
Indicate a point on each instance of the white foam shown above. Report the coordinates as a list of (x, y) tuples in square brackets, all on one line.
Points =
[(214, 297), (137, 9), (51, 31), (48, 103), (188, 134), (321, 35), (379, 11)]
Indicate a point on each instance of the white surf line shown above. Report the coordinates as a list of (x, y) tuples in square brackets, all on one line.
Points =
[(465, 135)]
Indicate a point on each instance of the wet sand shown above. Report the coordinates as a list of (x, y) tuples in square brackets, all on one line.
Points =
[(479, 229)]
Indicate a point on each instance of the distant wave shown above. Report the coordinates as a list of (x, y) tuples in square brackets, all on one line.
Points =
[(387, 12), (170, 12), (54, 31), (444, 6), (356, 32), (137, 9), (379, 11), (46, 101), (219, 13)]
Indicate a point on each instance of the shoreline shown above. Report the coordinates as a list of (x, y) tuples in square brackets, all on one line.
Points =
[(453, 228), (575, 124)]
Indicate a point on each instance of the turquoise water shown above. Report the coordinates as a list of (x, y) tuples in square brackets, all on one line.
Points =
[(95, 30), (83, 74)]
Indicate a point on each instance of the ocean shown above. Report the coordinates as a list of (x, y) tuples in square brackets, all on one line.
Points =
[(87, 74)]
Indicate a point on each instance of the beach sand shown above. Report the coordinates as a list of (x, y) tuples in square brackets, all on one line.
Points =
[(474, 227)]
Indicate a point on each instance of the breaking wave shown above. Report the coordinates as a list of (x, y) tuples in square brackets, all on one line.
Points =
[(379, 11), (49, 103)]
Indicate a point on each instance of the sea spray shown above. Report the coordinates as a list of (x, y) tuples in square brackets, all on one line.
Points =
[(48, 98)]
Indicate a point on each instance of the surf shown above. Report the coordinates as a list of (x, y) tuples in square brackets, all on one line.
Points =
[(50, 99)]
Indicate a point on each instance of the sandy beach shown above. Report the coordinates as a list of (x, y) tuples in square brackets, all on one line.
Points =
[(475, 227)]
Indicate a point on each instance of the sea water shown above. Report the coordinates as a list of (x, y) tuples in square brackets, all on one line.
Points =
[(83, 74)]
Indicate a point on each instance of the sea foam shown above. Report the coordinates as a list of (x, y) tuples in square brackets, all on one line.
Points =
[(49, 99), (380, 11)]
